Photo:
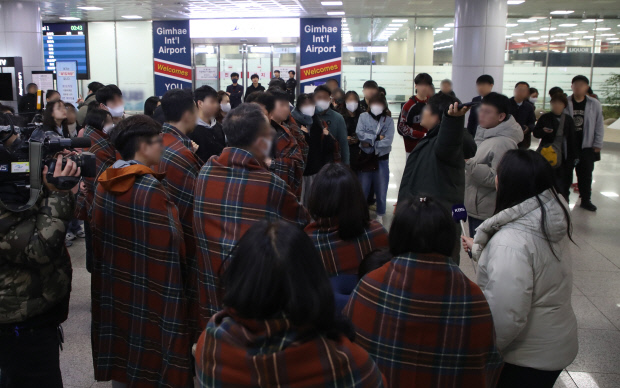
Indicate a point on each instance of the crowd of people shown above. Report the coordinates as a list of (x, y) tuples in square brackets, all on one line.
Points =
[(230, 240)]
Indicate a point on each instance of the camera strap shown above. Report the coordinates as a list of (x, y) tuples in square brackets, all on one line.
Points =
[(36, 162)]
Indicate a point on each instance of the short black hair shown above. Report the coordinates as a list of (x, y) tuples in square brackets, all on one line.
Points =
[(423, 79), (242, 125), (176, 102), (150, 105), (96, 118), (561, 97), (7, 109), (253, 96), (303, 98), (50, 93), (373, 260), (94, 86), (370, 84), (277, 83), (379, 98), (439, 104), (485, 79), (336, 193), (323, 88), (235, 74), (265, 99), (131, 132), (254, 76), (333, 80), (108, 93), (499, 101), (203, 92), (580, 78), (30, 85), (533, 90), (522, 83), (422, 225), (555, 90), (279, 95), (262, 280), (276, 71), (291, 71), (92, 105)]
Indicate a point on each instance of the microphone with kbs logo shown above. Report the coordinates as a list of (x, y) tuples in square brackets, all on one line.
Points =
[(459, 214)]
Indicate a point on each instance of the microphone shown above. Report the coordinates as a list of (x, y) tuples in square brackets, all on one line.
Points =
[(459, 214)]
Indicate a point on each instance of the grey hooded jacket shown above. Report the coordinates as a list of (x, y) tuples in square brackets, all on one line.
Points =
[(481, 169), (593, 126), (528, 287)]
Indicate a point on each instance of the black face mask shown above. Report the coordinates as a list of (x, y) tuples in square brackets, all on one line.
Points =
[(234, 80)]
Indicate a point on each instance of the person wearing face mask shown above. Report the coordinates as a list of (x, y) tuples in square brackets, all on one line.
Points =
[(224, 100), (533, 96), (333, 120), (98, 126), (235, 91), (226, 207), (337, 99), (375, 131), (409, 121), (110, 98), (351, 111), (321, 144)]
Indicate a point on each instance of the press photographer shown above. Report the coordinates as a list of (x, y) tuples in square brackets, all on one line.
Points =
[(35, 269)]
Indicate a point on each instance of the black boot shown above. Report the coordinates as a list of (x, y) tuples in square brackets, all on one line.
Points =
[(588, 205)]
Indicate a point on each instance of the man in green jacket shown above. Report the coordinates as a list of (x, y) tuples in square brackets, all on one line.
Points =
[(334, 120), (436, 167)]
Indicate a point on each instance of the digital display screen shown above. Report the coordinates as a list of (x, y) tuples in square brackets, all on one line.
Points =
[(66, 42)]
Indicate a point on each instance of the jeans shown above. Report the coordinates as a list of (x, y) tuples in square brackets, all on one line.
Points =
[(514, 376), (473, 224), (75, 226), (584, 170), (30, 359), (379, 181)]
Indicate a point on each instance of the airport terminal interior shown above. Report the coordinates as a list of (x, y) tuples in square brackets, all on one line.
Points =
[(150, 47)]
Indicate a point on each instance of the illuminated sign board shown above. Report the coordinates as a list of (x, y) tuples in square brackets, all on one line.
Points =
[(66, 42)]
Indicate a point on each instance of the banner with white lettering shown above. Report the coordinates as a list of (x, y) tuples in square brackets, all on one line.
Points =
[(66, 81), (172, 56), (320, 50)]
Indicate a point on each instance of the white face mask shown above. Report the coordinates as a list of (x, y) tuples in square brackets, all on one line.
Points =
[(308, 110), (116, 111), (225, 107), (352, 106), (323, 104), (108, 128), (533, 100), (376, 109)]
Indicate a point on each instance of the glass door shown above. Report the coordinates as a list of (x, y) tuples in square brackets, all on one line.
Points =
[(285, 58), (259, 62), (206, 65), (232, 60)]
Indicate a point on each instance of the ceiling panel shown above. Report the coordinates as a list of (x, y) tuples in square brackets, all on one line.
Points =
[(179, 9)]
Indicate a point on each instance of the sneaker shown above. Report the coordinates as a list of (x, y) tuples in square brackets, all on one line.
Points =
[(379, 219), (70, 236), (68, 243), (80, 233), (588, 205)]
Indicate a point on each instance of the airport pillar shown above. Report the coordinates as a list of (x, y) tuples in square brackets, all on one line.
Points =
[(21, 36), (479, 44)]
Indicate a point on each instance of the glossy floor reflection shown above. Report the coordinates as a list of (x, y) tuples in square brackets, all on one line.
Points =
[(596, 291)]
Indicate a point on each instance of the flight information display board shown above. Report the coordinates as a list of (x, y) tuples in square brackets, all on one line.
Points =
[(66, 42)]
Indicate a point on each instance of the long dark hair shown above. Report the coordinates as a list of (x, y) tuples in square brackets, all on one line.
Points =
[(96, 118), (150, 104), (523, 174), (337, 193), (48, 118), (380, 99), (343, 108), (263, 279)]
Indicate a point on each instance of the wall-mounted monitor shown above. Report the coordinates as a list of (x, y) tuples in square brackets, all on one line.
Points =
[(6, 87), (66, 42)]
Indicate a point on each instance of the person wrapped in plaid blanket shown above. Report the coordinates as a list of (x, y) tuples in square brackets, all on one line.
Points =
[(279, 326), (422, 320)]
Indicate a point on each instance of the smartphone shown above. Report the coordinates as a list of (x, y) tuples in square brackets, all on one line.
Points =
[(469, 104)]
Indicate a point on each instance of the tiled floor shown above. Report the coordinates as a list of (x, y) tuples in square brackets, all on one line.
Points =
[(596, 291)]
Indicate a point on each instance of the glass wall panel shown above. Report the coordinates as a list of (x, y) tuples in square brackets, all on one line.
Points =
[(435, 60), (606, 71), (102, 54), (134, 45), (205, 60), (356, 58)]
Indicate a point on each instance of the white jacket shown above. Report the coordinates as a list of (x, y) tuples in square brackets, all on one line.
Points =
[(527, 287)]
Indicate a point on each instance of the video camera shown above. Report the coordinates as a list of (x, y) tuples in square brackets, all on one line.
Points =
[(22, 162)]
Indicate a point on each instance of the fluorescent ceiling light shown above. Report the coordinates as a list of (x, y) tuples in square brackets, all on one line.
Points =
[(131, 17), (534, 38), (395, 25), (588, 37), (442, 29), (613, 38), (449, 25), (572, 38), (91, 8), (568, 25), (515, 2), (592, 20), (526, 20), (548, 29), (522, 40), (557, 40), (330, 3), (607, 34), (71, 18), (517, 34), (335, 13), (610, 194), (531, 32), (512, 24), (603, 29), (561, 12), (562, 34), (400, 20), (579, 32)]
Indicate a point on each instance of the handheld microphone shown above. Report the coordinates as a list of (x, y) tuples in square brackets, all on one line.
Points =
[(459, 214)]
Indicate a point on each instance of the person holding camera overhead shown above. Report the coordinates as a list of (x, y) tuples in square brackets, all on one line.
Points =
[(35, 277)]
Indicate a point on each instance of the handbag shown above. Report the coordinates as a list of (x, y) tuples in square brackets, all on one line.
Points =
[(553, 151), (368, 162)]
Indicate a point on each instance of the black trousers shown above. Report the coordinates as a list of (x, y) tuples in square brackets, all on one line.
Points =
[(584, 170), (564, 177), (30, 359), (88, 241), (514, 376)]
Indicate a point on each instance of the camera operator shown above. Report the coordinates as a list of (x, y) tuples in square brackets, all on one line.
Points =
[(35, 280)]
